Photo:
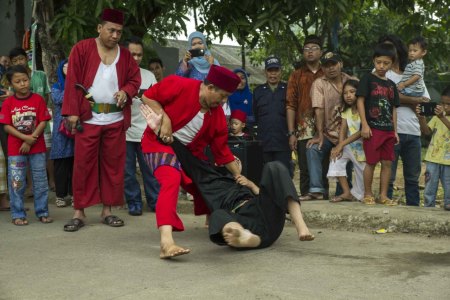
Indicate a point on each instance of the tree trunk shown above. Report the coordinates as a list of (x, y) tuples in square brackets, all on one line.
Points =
[(20, 21), (243, 55), (52, 51)]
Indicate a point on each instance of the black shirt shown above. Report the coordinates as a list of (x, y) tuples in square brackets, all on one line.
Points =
[(380, 97)]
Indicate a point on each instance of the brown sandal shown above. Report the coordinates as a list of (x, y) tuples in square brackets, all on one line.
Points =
[(20, 221), (369, 200)]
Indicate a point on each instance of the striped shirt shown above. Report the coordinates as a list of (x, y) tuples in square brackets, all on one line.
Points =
[(416, 67)]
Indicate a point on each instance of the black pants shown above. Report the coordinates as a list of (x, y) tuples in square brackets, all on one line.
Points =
[(283, 157), (4, 142), (63, 176), (263, 215)]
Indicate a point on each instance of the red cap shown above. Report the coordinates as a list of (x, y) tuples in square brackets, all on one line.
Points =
[(223, 78), (239, 115), (112, 15)]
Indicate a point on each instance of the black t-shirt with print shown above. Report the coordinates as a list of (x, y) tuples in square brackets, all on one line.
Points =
[(380, 97)]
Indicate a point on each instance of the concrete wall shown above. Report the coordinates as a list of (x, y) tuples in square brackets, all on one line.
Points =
[(8, 23)]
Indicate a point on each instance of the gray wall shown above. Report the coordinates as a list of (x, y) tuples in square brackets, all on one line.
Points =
[(7, 25)]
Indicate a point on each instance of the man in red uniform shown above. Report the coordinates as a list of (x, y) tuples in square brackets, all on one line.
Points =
[(112, 77), (193, 114)]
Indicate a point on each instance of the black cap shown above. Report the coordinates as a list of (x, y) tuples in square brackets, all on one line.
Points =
[(272, 62)]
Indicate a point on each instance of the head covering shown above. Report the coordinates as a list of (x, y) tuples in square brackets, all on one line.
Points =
[(200, 62), (330, 56), (242, 99), (239, 115), (61, 77), (112, 15), (223, 78), (272, 62)]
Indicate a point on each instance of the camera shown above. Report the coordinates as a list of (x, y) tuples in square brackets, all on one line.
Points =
[(427, 108), (197, 52)]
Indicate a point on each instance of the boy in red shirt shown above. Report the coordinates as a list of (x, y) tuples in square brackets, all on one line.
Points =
[(25, 116)]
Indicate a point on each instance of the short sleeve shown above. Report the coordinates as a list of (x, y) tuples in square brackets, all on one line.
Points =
[(362, 90), (317, 94)]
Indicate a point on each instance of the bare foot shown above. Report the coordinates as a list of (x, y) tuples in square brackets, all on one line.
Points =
[(305, 235), (236, 236), (172, 251)]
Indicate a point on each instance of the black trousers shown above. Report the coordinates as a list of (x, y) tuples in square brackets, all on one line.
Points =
[(264, 214), (63, 176), (4, 142)]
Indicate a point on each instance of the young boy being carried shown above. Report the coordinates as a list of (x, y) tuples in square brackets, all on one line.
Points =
[(412, 83), (377, 102)]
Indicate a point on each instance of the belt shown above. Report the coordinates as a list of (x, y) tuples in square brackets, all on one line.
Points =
[(240, 204), (105, 108)]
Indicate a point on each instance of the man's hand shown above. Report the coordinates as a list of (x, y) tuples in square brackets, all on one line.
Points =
[(121, 98), (397, 138), (73, 122), (153, 119), (315, 140), (293, 142), (25, 148), (366, 133)]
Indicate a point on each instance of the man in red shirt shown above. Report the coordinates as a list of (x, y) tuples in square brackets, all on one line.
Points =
[(193, 114), (112, 78)]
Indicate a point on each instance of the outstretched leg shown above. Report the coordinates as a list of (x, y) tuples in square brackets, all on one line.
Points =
[(236, 236), (297, 217)]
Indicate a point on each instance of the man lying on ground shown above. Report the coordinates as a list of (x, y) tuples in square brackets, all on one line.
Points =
[(242, 214)]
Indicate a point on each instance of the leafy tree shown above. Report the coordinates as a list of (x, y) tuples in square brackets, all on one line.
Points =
[(63, 23)]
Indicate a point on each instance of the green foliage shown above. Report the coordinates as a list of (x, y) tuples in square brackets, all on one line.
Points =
[(77, 20)]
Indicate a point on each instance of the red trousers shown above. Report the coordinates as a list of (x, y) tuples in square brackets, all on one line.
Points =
[(99, 162), (170, 179)]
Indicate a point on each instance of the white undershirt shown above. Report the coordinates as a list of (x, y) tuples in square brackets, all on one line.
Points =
[(407, 121), (190, 130), (105, 85)]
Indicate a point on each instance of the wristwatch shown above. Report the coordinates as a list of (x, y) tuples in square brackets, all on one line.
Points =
[(291, 133)]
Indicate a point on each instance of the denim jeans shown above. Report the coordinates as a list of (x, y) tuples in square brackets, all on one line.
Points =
[(409, 149), (318, 173), (433, 173), (17, 170), (132, 188)]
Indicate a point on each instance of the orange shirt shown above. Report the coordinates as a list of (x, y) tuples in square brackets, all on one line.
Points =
[(298, 99)]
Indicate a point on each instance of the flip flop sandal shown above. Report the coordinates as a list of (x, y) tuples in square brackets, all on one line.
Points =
[(311, 197), (369, 200), (113, 221), (337, 199), (24, 221), (73, 225)]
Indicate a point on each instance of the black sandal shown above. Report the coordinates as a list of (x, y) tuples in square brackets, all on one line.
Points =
[(113, 221), (73, 225)]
